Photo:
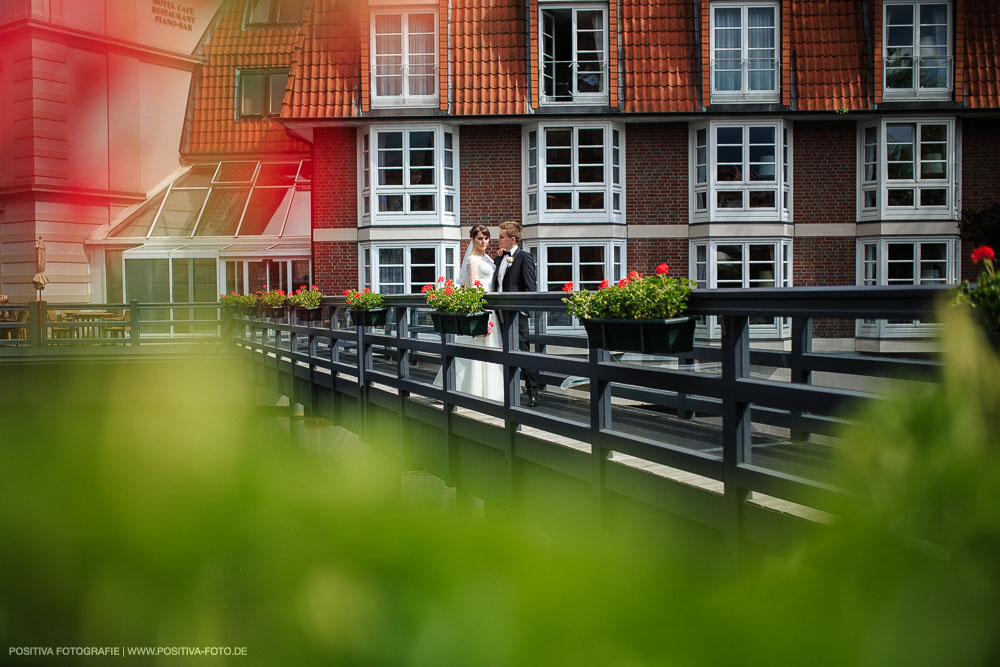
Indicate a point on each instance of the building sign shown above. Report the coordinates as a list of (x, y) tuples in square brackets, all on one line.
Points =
[(174, 14)]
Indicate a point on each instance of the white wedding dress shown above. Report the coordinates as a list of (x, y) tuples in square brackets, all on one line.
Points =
[(478, 378)]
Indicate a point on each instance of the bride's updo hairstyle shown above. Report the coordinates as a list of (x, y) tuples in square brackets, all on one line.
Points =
[(474, 232)]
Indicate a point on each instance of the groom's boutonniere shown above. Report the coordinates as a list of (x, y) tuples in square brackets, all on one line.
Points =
[(510, 260)]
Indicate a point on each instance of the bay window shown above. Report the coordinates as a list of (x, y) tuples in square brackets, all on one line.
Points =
[(408, 175), (741, 171), (917, 60), (404, 59), (574, 173), (907, 170), (573, 52), (403, 268), (748, 264), (583, 263), (744, 48), (905, 261)]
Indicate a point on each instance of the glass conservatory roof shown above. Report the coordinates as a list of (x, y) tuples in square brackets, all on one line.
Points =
[(234, 199)]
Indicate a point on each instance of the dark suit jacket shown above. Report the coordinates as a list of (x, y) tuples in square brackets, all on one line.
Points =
[(520, 275)]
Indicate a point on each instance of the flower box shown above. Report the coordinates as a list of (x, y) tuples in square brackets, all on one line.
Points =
[(369, 318), (276, 312), (309, 314), (670, 336), (465, 324)]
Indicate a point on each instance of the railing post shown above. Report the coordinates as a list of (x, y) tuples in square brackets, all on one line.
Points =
[(133, 316), (36, 323), (448, 409), (403, 373), (335, 407), (801, 345), (735, 422), (362, 353), (600, 419), (511, 399)]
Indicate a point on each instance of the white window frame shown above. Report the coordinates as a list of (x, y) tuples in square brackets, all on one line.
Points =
[(708, 190), (444, 194), (915, 90), (744, 94), (882, 185), (277, 12), (404, 98), (534, 167), (446, 260), (591, 98), (615, 260), (705, 273), (880, 265)]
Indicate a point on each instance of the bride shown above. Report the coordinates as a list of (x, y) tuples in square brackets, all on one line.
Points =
[(478, 377)]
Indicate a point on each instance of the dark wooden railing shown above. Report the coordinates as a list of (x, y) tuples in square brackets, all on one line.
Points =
[(702, 422)]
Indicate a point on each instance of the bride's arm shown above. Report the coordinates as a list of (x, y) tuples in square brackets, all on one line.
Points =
[(473, 272)]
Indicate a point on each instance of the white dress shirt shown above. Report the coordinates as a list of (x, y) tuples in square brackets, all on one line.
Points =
[(503, 268)]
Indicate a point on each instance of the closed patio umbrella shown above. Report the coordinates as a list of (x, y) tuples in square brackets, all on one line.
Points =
[(40, 279)]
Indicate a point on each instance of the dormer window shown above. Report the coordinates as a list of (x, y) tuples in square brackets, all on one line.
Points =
[(271, 12), (404, 66), (744, 43), (261, 92), (574, 54), (917, 51)]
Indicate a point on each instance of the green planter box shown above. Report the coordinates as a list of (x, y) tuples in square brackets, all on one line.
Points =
[(277, 312), (309, 314), (645, 336), (369, 318), (465, 324)]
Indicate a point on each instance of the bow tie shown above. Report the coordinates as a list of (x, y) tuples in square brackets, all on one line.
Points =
[(506, 253)]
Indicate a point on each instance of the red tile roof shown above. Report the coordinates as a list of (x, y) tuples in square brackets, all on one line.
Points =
[(489, 68), (829, 65), (660, 69), (211, 126), (326, 69), (982, 54)]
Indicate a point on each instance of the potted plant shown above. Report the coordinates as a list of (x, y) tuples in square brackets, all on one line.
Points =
[(983, 297), (273, 302), (366, 307), (639, 314), (458, 310), (241, 301), (306, 303)]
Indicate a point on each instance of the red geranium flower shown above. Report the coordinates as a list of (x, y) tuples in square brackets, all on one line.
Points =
[(449, 291), (440, 279), (367, 290), (346, 292), (605, 284), (477, 284), (426, 288), (633, 275), (981, 253), (568, 287), (662, 269), (623, 282)]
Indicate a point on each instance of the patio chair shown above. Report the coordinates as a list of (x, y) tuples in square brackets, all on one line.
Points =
[(118, 330)]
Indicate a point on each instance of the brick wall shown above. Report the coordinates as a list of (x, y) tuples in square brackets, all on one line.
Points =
[(980, 166), (824, 172), (335, 206), (656, 174), (644, 255), (823, 260), (335, 181), (335, 265), (490, 174)]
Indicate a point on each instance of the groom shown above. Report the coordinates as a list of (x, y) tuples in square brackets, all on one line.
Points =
[(516, 273)]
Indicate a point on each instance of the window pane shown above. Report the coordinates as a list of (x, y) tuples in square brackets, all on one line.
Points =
[(762, 199), (251, 94), (559, 200), (422, 203), (277, 174), (563, 254), (179, 212), (592, 200), (730, 199), (223, 211), (900, 197), (276, 87), (390, 203), (935, 197), (266, 211)]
